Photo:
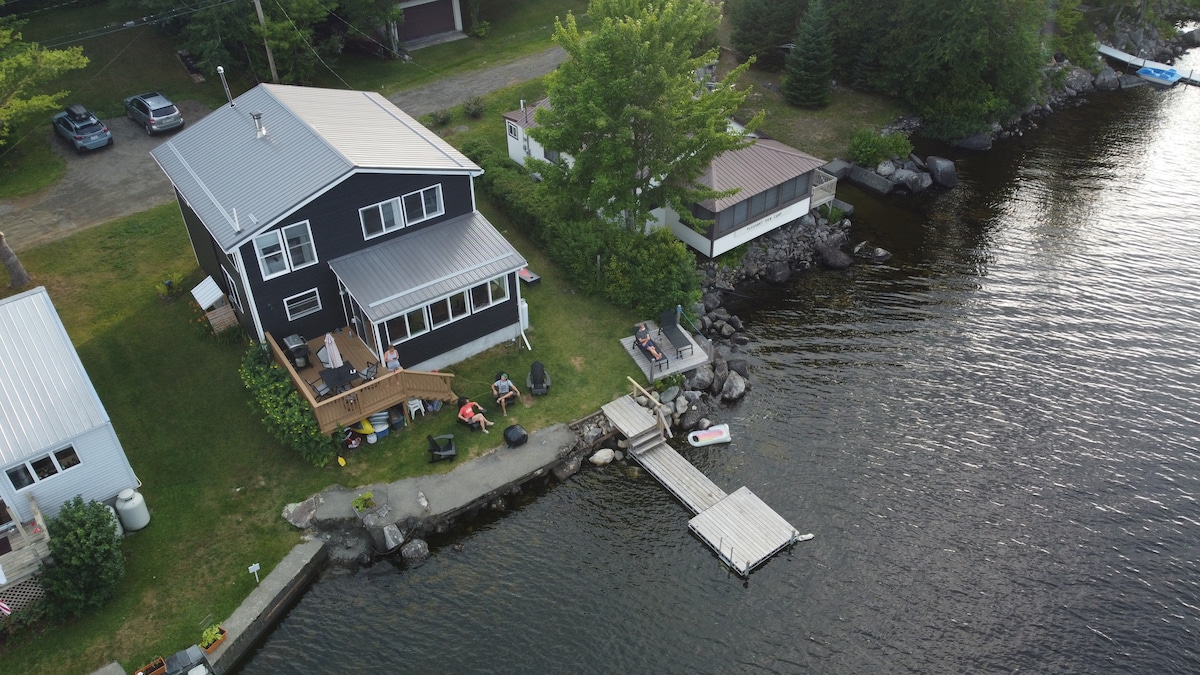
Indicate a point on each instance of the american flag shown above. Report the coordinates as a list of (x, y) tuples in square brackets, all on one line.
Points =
[(5, 609)]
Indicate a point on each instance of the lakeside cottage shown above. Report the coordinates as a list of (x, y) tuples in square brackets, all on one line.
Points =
[(56, 439), (776, 184)]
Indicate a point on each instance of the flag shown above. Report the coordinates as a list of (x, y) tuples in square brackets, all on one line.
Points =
[(5, 609)]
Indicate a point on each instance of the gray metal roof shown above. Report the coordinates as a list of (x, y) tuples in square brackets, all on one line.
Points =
[(409, 271), (754, 168), (46, 397), (524, 118), (240, 181)]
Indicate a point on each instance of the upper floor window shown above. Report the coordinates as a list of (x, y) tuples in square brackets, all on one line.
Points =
[(380, 218), (302, 304), (448, 309), (485, 295), (274, 258), (40, 468), (512, 129), (423, 205)]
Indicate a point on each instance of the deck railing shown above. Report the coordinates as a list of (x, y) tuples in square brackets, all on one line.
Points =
[(824, 189), (386, 390), (30, 546)]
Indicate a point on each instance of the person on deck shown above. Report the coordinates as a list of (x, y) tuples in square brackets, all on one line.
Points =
[(469, 413), (503, 390), (645, 344), (391, 358)]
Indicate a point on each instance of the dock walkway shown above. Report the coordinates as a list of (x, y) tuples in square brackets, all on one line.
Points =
[(739, 527), (1186, 76)]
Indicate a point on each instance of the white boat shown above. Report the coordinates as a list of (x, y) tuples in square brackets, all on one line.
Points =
[(718, 433)]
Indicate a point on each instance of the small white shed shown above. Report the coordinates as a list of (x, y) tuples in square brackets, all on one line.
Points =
[(56, 440)]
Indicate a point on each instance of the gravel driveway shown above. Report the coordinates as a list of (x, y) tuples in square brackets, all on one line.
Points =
[(122, 179)]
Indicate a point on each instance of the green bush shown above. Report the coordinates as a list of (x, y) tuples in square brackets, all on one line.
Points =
[(651, 272), (285, 414), (868, 148), (440, 117), (473, 107), (87, 559)]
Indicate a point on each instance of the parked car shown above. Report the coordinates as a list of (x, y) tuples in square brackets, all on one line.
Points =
[(81, 129), (153, 111)]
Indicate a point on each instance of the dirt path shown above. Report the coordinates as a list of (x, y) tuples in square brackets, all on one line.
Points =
[(122, 179)]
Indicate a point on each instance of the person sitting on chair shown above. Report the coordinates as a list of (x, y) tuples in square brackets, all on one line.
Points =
[(470, 413), (644, 343), (391, 358), (503, 390)]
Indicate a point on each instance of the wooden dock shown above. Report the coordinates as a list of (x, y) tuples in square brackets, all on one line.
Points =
[(742, 530), (680, 358), (1188, 76)]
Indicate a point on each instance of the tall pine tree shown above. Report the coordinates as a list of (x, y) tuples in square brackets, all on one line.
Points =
[(809, 67)]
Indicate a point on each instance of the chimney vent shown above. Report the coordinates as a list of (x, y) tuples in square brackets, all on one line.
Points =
[(259, 129)]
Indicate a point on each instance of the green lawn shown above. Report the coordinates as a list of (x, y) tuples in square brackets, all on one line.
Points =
[(214, 481)]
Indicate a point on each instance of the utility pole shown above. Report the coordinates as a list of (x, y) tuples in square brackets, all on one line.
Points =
[(270, 58)]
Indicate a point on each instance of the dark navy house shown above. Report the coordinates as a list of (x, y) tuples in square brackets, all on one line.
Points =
[(317, 209)]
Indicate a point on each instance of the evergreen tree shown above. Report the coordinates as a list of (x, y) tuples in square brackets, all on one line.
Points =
[(760, 28), (810, 63)]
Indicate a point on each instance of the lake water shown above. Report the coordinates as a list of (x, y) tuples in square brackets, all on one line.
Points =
[(995, 438)]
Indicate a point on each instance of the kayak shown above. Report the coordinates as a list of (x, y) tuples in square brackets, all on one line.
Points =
[(718, 433)]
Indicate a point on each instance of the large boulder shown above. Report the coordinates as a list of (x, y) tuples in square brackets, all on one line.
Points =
[(886, 168), (602, 457), (720, 374), (1106, 80), (1080, 81), (777, 272), (833, 257), (699, 379), (735, 387), (942, 171), (414, 551), (899, 176), (976, 142), (870, 181), (918, 182), (568, 468)]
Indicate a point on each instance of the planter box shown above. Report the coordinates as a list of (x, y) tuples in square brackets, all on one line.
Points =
[(156, 667), (213, 647)]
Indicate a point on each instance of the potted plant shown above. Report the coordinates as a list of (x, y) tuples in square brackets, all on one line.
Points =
[(211, 638), (156, 667), (363, 502)]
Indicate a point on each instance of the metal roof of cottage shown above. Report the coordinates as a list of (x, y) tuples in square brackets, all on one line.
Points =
[(46, 397), (754, 168), (240, 180), (428, 264)]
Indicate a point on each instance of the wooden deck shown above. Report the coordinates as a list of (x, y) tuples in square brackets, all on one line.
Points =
[(742, 530), (388, 389), (701, 352), (1188, 76)]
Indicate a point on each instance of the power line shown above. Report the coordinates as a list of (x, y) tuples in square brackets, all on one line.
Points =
[(310, 47), (152, 19)]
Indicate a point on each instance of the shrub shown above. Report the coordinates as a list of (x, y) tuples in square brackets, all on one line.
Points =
[(440, 117), (285, 414), (869, 148), (481, 29), (87, 559), (473, 107), (650, 272)]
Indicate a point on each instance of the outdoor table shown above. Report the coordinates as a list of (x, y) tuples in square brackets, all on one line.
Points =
[(337, 378)]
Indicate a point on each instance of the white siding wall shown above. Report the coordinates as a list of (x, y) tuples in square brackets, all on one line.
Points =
[(666, 217), (103, 471)]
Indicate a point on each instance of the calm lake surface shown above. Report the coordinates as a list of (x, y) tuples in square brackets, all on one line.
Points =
[(995, 439)]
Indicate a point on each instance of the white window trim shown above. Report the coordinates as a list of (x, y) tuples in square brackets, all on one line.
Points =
[(287, 304), (234, 296), (426, 216), (258, 253), (28, 464), (377, 206), (512, 129), (288, 250), (491, 299)]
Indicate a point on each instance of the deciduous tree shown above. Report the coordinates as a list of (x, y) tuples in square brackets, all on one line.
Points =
[(628, 109), (25, 70), (87, 559)]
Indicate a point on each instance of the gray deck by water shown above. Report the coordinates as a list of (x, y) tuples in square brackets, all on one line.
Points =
[(700, 353), (1187, 76), (739, 527)]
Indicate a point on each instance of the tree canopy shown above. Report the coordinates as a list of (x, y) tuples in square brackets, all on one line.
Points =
[(87, 559), (25, 69), (810, 62), (627, 108)]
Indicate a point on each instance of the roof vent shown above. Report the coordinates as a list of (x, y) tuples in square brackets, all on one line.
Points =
[(259, 129)]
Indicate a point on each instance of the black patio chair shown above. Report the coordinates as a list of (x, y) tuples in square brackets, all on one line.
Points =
[(668, 323), (320, 389), (441, 447), (538, 380)]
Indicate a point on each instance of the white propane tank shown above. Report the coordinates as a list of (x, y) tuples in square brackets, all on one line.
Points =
[(132, 509), (116, 521)]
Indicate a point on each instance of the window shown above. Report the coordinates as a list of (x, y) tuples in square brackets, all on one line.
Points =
[(448, 309), (772, 196), (552, 156), (512, 129), (485, 295), (300, 249), (787, 191), (406, 326), (302, 304), (41, 468), (380, 218), (739, 212), (270, 255), (233, 291), (423, 205), (758, 204)]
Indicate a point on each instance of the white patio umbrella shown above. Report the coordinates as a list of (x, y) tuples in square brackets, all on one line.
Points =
[(331, 351)]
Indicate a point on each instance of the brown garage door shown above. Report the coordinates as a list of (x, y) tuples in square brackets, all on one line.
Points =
[(428, 19)]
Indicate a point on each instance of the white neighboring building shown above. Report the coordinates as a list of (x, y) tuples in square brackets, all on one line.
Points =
[(56, 440), (777, 184)]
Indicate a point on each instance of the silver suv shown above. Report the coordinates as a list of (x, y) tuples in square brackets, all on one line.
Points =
[(153, 111)]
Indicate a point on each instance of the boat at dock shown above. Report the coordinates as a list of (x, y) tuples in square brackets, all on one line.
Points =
[(718, 433), (1163, 76)]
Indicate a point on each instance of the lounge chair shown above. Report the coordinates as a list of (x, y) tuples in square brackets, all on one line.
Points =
[(441, 447), (668, 323), (538, 381)]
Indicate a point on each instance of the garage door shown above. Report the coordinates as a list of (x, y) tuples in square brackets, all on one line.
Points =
[(430, 18)]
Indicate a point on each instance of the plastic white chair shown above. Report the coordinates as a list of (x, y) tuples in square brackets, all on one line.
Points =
[(415, 405)]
